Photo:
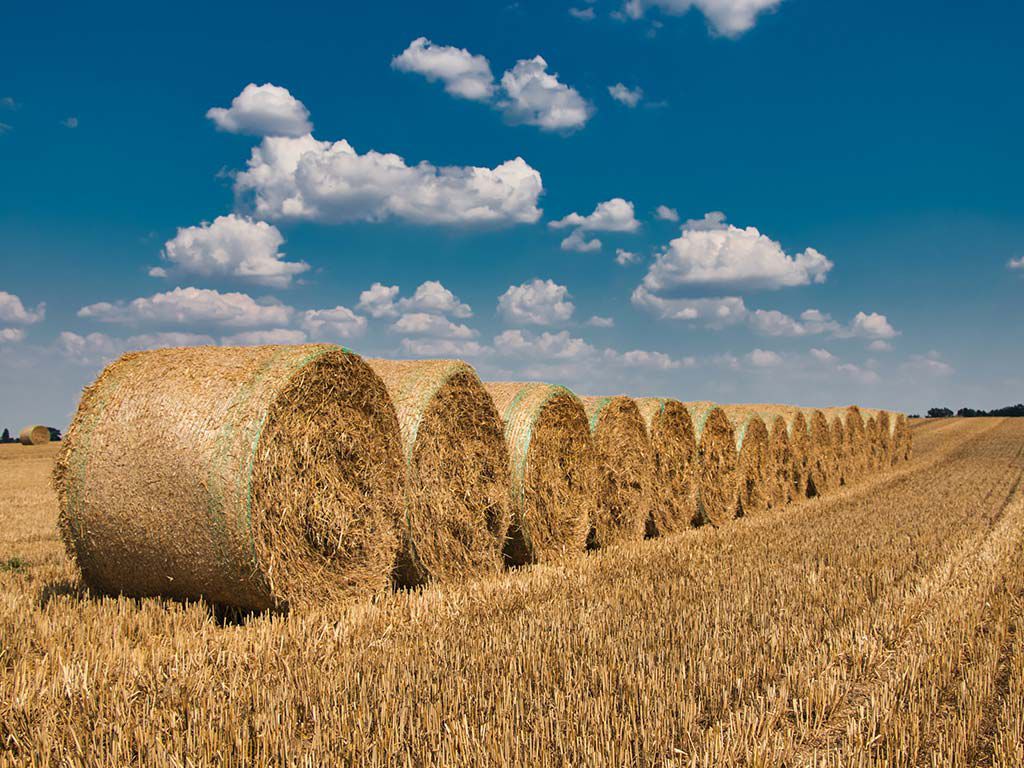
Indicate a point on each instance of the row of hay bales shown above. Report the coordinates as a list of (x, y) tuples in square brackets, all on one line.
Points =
[(263, 477)]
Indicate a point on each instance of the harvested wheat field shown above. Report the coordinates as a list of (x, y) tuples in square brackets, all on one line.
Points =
[(877, 626)]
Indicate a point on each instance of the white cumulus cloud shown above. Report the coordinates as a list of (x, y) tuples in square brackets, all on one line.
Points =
[(730, 18), (257, 338), (263, 110), (444, 348), (615, 215), (1016, 263), (713, 312), (577, 241), (527, 94), (665, 213), (12, 310), (464, 75), (332, 324), (601, 322), (625, 95), (712, 254), (537, 302), (764, 358), (232, 246), (304, 178), (583, 14), (551, 346), (97, 348), (185, 306), (379, 300), (426, 324), (11, 335), (871, 326), (430, 296), (624, 257), (534, 96)]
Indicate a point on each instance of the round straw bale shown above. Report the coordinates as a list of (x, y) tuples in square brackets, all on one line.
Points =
[(783, 461), (717, 463), (624, 469), (554, 475), (880, 440), (872, 460), (821, 466), (756, 473), (855, 445), (674, 454), (36, 434), (840, 462), (457, 504), (903, 439), (255, 477), (799, 445)]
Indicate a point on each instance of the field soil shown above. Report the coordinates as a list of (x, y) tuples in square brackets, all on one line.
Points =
[(882, 625)]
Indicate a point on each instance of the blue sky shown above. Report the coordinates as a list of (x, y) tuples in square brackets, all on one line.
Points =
[(738, 200)]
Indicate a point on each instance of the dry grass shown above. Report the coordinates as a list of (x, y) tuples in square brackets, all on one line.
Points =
[(780, 640)]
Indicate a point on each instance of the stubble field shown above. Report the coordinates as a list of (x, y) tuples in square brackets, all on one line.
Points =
[(878, 626)]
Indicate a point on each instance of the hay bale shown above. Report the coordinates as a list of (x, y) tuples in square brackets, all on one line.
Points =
[(553, 472), (799, 445), (457, 505), (872, 460), (840, 457), (854, 454), (624, 469), (256, 477), (717, 463), (756, 473), (902, 438), (783, 460), (674, 454), (880, 440), (35, 434), (822, 471)]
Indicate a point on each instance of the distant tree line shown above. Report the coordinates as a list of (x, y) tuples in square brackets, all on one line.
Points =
[(943, 413)]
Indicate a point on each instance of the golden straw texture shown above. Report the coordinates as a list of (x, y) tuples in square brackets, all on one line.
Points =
[(254, 477), (756, 472), (457, 509), (625, 477), (553, 469), (674, 453), (717, 463)]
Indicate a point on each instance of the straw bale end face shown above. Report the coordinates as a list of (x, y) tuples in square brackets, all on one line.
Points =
[(254, 477), (553, 470), (625, 477), (821, 465), (754, 460), (674, 459), (717, 459), (458, 509)]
